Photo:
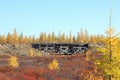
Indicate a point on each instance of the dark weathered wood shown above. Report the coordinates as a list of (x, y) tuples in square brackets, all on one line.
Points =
[(61, 48)]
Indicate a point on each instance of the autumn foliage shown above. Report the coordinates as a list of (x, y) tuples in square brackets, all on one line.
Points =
[(31, 53), (53, 65), (70, 67), (103, 65), (82, 37), (109, 63), (13, 62)]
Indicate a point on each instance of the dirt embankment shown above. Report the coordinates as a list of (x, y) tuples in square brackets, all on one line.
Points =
[(14, 49)]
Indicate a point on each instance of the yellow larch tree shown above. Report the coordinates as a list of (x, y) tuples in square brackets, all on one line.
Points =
[(3, 39), (9, 38), (13, 62), (15, 37), (31, 52), (110, 62), (53, 65)]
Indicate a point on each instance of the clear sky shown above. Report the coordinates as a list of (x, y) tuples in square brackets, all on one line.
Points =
[(34, 16)]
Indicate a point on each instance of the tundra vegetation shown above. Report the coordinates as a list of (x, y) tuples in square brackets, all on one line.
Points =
[(53, 65), (109, 64), (19, 61), (13, 62)]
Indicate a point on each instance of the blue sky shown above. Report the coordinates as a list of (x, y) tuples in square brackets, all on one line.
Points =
[(34, 16)]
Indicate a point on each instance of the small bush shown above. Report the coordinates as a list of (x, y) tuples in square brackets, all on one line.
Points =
[(13, 62), (31, 53), (87, 56), (53, 65)]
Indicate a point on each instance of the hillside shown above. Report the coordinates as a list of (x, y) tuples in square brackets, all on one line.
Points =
[(72, 67)]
